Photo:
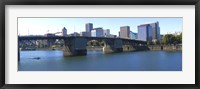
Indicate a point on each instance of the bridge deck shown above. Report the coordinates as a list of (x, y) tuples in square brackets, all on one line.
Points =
[(72, 37)]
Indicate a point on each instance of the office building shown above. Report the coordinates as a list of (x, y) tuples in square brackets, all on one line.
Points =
[(88, 27), (155, 31), (64, 32), (145, 32), (133, 35), (124, 32), (106, 32), (97, 32), (85, 34)]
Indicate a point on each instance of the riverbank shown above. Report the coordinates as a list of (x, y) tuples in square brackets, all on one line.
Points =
[(165, 47), (150, 47)]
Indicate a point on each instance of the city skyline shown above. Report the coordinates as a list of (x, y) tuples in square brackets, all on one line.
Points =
[(41, 26)]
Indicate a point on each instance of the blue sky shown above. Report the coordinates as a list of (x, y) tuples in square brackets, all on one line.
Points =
[(40, 26)]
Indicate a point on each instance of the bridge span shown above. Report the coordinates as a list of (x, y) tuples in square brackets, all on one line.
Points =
[(76, 45)]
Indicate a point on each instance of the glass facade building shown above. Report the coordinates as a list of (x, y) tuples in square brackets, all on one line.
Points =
[(149, 32), (145, 32), (133, 35), (155, 31)]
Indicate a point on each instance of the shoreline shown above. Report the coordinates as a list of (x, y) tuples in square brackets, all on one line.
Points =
[(151, 48)]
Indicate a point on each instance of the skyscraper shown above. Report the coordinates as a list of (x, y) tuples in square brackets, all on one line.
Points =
[(64, 32), (149, 32), (155, 31), (124, 32), (88, 28), (145, 32)]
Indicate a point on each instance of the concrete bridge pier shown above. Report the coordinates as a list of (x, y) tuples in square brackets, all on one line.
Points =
[(127, 48), (75, 47), (112, 46)]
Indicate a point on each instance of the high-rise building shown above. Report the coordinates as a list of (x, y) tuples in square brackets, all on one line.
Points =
[(124, 32), (88, 28), (145, 32), (152, 32), (97, 32), (155, 31), (64, 32), (106, 32)]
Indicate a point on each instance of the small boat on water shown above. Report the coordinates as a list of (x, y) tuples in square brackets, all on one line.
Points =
[(34, 58)]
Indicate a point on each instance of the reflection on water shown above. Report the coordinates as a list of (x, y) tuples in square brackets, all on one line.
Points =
[(97, 61)]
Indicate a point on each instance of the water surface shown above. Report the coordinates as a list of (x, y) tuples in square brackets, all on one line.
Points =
[(53, 60)]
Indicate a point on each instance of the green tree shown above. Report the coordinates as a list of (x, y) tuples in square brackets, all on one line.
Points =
[(167, 39), (179, 39), (171, 39)]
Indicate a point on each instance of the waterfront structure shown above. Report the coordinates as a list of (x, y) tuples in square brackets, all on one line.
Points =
[(145, 32), (64, 32), (85, 34), (74, 46), (97, 32), (133, 35), (124, 32)]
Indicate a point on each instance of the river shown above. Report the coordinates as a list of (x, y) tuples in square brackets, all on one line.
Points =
[(53, 60)]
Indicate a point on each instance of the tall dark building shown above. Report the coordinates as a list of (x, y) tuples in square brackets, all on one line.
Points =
[(64, 32), (155, 31), (88, 27), (124, 32)]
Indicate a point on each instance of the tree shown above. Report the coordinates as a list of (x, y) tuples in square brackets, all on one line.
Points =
[(179, 39), (169, 39), (155, 42)]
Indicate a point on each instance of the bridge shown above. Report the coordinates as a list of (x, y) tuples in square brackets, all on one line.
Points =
[(76, 45)]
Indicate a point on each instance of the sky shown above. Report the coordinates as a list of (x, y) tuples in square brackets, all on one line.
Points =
[(41, 26)]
